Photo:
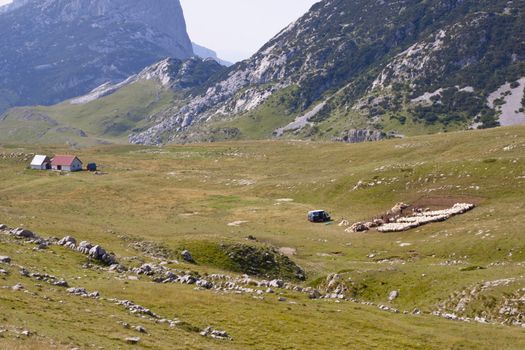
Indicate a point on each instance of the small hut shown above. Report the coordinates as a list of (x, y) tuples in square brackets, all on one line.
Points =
[(92, 167), (41, 162)]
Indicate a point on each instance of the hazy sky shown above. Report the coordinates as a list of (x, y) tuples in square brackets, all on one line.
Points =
[(237, 28)]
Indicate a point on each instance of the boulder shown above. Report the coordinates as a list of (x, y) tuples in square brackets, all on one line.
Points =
[(22, 233), (3, 227), (186, 256), (393, 295), (5, 259), (204, 284), (187, 279), (141, 329), (18, 287), (61, 283), (77, 291), (84, 247), (68, 241), (132, 340), (314, 294), (97, 252), (276, 283)]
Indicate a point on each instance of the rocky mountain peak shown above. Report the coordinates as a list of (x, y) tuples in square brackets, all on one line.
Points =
[(64, 48)]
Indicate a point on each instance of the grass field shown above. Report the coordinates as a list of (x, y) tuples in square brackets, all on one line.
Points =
[(185, 197), (109, 119)]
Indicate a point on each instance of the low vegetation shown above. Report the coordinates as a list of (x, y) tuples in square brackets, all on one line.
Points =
[(237, 208)]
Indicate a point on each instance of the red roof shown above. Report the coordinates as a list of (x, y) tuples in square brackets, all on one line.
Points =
[(63, 160)]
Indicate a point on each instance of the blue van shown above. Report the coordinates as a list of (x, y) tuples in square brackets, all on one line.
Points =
[(319, 216)]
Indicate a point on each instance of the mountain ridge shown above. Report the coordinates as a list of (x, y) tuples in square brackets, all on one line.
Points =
[(337, 74), (333, 54)]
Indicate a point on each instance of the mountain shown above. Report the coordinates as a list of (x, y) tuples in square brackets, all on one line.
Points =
[(425, 66), (204, 52), (53, 50), (338, 73), (110, 112)]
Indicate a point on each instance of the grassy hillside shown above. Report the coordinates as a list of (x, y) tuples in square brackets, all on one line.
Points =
[(106, 120), (206, 198)]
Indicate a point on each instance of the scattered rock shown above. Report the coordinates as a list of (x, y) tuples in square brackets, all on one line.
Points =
[(136, 309), (4, 272), (5, 259), (118, 268), (83, 293), (216, 334), (94, 251)]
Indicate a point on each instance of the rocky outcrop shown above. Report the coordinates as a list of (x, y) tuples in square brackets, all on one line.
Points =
[(361, 135), (490, 302), (93, 251), (83, 293)]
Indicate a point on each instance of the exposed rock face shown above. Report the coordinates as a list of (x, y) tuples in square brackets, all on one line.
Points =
[(169, 73), (57, 49)]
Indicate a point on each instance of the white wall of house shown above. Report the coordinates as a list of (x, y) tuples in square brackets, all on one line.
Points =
[(39, 167)]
